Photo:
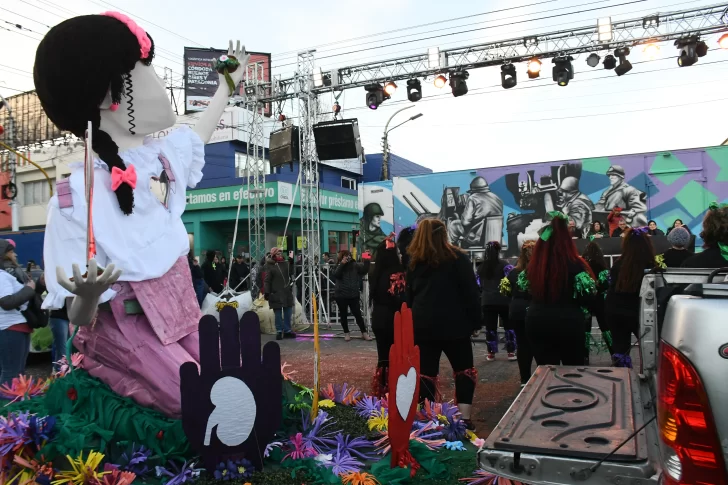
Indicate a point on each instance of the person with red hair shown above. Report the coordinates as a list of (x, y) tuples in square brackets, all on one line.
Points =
[(562, 286)]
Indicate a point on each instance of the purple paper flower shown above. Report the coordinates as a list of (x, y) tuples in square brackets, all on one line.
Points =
[(449, 410), (318, 434), (135, 460), (354, 446), (640, 231), (343, 463), (40, 430), (13, 432), (175, 475), (454, 430), (233, 470), (368, 405)]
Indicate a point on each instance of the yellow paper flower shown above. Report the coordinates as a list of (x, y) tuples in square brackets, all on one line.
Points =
[(326, 403), (470, 435), (379, 421), (83, 471)]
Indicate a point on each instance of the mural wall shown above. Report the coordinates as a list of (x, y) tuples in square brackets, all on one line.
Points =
[(510, 203), (376, 215)]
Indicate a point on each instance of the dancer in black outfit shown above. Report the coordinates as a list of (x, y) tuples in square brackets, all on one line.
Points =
[(495, 305), (443, 296), (594, 256), (517, 310), (561, 285), (348, 277), (623, 296), (386, 292)]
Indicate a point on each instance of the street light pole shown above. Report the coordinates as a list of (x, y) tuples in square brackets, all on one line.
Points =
[(385, 140), (13, 161)]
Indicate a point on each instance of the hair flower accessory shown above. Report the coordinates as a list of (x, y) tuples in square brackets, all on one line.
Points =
[(640, 231), (548, 230), (145, 43), (714, 206), (225, 65), (127, 176)]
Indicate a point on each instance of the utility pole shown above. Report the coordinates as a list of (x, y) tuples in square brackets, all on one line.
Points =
[(385, 139), (13, 165)]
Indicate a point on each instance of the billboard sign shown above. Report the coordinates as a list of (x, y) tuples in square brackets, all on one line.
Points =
[(201, 79)]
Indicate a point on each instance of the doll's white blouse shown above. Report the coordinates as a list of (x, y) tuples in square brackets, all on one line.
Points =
[(145, 244)]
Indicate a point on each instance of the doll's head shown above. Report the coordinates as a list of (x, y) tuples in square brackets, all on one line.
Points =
[(99, 66)]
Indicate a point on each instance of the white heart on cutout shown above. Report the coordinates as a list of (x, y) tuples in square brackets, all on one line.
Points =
[(406, 391), (234, 414)]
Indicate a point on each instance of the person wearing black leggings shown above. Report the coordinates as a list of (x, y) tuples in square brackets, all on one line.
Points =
[(517, 310), (445, 303), (386, 293), (495, 305), (594, 256), (348, 277), (623, 295)]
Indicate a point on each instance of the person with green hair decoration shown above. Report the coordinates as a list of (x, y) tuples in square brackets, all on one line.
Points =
[(715, 239), (562, 286)]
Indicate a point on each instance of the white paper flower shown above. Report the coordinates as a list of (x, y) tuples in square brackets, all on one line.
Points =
[(324, 459)]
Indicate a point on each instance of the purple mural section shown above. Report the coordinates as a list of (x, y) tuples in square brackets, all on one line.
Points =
[(510, 203)]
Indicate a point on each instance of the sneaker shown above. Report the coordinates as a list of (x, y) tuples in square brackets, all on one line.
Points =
[(490, 357), (279, 336), (289, 335), (512, 356), (469, 425)]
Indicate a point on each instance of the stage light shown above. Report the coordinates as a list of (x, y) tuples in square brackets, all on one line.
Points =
[(508, 76), (457, 83), (375, 95), (593, 60), (651, 50), (440, 81), (604, 29), (609, 62), (534, 68), (336, 108), (688, 51), (390, 88), (624, 65), (701, 49), (562, 71), (414, 90), (723, 41)]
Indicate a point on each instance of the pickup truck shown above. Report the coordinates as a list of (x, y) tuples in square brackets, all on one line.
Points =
[(665, 422)]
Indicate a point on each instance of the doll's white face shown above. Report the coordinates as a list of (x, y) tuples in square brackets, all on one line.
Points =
[(152, 109)]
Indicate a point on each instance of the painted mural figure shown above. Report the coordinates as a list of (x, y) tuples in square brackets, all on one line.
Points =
[(370, 229), (575, 204), (621, 194), (483, 208)]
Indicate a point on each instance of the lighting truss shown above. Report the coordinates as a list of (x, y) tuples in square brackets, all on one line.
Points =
[(664, 27)]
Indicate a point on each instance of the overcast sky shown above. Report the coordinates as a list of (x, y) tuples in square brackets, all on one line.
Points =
[(657, 106)]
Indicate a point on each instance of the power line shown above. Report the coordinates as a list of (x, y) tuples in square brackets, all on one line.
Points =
[(26, 18), (19, 27), (414, 27), (19, 33), (469, 31)]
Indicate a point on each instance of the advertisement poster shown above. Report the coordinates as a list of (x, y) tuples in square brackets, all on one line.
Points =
[(201, 80)]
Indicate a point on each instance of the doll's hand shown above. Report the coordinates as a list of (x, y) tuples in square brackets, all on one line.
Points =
[(243, 58), (91, 287)]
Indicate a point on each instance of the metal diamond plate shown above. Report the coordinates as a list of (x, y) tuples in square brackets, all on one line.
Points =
[(583, 412)]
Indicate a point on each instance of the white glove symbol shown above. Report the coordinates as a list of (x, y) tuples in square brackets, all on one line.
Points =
[(234, 414)]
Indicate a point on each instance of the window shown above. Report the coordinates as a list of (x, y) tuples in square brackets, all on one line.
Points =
[(348, 183), (241, 160), (36, 193), (339, 241)]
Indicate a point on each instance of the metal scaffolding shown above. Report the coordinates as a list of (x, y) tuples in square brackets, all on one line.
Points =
[(309, 166), (255, 164), (656, 28)]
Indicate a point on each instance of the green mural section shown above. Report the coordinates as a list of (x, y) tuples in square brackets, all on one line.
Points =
[(720, 157), (598, 165), (668, 169)]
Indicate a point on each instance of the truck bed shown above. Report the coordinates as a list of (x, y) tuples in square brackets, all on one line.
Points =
[(567, 419)]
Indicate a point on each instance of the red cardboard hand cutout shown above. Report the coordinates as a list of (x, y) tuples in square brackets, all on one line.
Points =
[(404, 385)]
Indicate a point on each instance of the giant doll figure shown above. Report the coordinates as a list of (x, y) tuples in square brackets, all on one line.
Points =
[(139, 324)]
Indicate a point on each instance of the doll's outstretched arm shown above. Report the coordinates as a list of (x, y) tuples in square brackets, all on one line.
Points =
[(207, 123), (88, 291)]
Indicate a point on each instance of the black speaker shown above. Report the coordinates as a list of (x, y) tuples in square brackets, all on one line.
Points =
[(337, 140), (284, 147)]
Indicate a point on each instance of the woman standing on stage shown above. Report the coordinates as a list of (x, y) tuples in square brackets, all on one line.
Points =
[(495, 306)]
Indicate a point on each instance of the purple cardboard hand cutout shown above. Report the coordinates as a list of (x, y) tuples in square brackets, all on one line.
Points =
[(233, 405)]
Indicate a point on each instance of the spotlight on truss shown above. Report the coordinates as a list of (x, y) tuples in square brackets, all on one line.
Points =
[(414, 90), (534, 68), (651, 50), (375, 95), (593, 60), (723, 41), (609, 62), (688, 51), (458, 83), (440, 81), (390, 88), (624, 65), (508, 76), (563, 71)]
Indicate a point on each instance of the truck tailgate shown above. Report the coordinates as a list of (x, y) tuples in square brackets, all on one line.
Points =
[(566, 419)]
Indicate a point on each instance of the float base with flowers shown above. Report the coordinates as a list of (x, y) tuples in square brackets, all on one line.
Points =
[(72, 429)]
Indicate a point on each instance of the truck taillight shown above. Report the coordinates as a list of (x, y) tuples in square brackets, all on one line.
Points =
[(690, 450)]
